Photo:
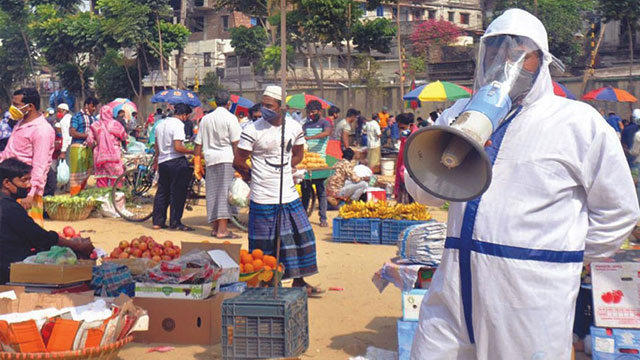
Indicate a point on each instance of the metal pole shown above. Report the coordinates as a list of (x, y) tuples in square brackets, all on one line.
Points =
[(283, 84), (400, 67), (589, 70)]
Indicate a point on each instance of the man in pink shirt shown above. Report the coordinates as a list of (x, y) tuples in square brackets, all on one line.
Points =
[(31, 142)]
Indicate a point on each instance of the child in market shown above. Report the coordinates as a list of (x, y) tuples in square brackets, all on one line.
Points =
[(20, 236)]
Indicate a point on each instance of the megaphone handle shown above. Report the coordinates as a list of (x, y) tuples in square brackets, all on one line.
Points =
[(455, 153)]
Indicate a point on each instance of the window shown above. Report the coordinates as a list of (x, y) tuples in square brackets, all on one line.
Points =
[(207, 59), (432, 14), (451, 15), (380, 10), (197, 24), (225, 22), (464, 18), (198, 3)]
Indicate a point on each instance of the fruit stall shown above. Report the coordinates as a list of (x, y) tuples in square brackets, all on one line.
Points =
[(149, 291)]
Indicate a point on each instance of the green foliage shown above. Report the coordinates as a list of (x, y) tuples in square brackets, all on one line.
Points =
[(65, 6), (271, 58), (620, 10), (69, 75), (374, 35), (249, 43), (111, 78), (14, 65), (417, 64), (255, 8), (562, 19), (210, 86), (366, 71)]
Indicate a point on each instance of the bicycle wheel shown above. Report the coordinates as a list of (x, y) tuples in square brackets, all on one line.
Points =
[(133, 193), (312, 202), (241, 219)]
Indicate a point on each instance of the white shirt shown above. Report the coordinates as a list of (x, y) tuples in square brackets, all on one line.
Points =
[(65, 124), (263, 140), (217, 131), (373, 134), (169, 130)]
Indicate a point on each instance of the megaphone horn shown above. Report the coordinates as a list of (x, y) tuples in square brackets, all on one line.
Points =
[(450, 162)]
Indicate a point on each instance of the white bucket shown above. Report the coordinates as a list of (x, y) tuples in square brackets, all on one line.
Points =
[(388, 166)]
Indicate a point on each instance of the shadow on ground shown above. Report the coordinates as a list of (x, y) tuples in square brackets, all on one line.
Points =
[(380, 332)]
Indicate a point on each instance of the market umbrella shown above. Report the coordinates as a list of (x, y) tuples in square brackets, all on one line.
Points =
[(239, 104), (177, 96), (61, 97), (413, 104), (127, 105), (438, 91), (300, 101), (609, 93), (562, 90)]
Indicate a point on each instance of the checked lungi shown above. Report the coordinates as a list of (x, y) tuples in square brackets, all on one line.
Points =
[(298, 242)]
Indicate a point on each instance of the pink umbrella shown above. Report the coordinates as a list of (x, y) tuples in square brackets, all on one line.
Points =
[(127, 105)]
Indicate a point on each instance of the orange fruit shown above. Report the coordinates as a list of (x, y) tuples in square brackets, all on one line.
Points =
[(241, 269), (267, 268), (243, 252), (280, 268), (258, 264), (270, 261), (247, 259), (227, 242), (257, 254), (248, 268)]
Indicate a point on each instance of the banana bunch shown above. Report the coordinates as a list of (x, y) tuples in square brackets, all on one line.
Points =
[(383, 210)]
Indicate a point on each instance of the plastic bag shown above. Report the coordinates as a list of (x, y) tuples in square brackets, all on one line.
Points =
[(239, 193), (196, 267), (58, 255), (136, 147), (63, 172)]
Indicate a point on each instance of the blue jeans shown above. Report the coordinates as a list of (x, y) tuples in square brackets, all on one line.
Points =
[(307, 187)]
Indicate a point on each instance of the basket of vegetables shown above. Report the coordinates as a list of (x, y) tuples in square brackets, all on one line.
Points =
[(69, 208)]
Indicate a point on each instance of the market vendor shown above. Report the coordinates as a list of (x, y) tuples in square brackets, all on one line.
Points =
[(345, 184), (561, 194), (317, 131), (19, 234)]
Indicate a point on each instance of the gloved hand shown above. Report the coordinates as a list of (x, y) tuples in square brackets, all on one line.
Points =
[(198, 171)]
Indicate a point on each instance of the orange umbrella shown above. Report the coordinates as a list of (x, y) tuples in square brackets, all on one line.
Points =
[(609, 93)]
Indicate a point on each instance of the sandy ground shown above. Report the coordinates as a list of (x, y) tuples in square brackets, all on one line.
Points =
[(341, 324)]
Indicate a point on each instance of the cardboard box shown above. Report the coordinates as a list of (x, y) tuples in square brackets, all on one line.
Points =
[(613, 344), (616, 300), (173, 321), (175, 291), (230, 268), (376, 194), (232, 249), (411, 301), (51, 274)]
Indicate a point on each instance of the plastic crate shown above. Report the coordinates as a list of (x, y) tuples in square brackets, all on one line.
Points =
[(356, 230), (255, 325), (391, 229)]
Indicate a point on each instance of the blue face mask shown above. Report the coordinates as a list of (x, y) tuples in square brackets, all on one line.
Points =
[(268, 114)]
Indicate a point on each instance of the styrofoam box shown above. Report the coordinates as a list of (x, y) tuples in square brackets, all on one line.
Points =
[(616, 289), (411, 301), (615, 344)]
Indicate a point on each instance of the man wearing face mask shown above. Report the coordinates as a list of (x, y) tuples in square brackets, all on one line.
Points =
[(406, 127), (560, 194), (31, 142), (317, 131), (261, 140), (18, 232)]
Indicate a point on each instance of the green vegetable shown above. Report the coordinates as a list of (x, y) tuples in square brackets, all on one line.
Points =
[(74, 204)]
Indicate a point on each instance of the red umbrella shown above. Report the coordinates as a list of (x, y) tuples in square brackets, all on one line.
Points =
[(609, 93)]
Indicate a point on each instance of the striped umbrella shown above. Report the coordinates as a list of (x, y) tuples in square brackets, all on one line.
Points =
[(562, 90), (127, 105), (300, 101), (609, 93), (438, 91), (239, 104), (413, 104)]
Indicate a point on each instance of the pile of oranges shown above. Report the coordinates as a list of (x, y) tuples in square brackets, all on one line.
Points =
[(256, 261)]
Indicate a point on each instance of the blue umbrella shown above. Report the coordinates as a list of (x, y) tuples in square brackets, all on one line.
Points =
[(177, 96), (61, 97)]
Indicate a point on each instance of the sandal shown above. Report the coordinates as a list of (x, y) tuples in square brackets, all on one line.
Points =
[(312, 291), (182, 227), (229, 235), (158, 227)]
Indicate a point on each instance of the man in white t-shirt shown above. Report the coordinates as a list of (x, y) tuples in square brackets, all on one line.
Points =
[(217, 139), (262, 141), (174, 172), (372, 129), (65, 125)]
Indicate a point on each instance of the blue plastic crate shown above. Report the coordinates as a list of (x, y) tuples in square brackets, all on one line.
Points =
[(391, 229), (406, 331), (256, 325), (356, 230)]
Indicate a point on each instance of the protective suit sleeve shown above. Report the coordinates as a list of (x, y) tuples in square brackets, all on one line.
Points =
[(611, 197), (420, 195)]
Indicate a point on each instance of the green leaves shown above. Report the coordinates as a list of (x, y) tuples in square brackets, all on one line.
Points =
[(374, 35), (249, 43)]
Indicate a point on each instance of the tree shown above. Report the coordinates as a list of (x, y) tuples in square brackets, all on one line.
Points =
[(562, 19), (628, 12), (374, 35), (433, 33), (248, 43), (367, 73), (210, 86), (271, 58), (14, 54), (112, 79)]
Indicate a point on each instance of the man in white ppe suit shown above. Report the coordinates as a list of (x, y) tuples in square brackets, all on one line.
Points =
[(561, 192)]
